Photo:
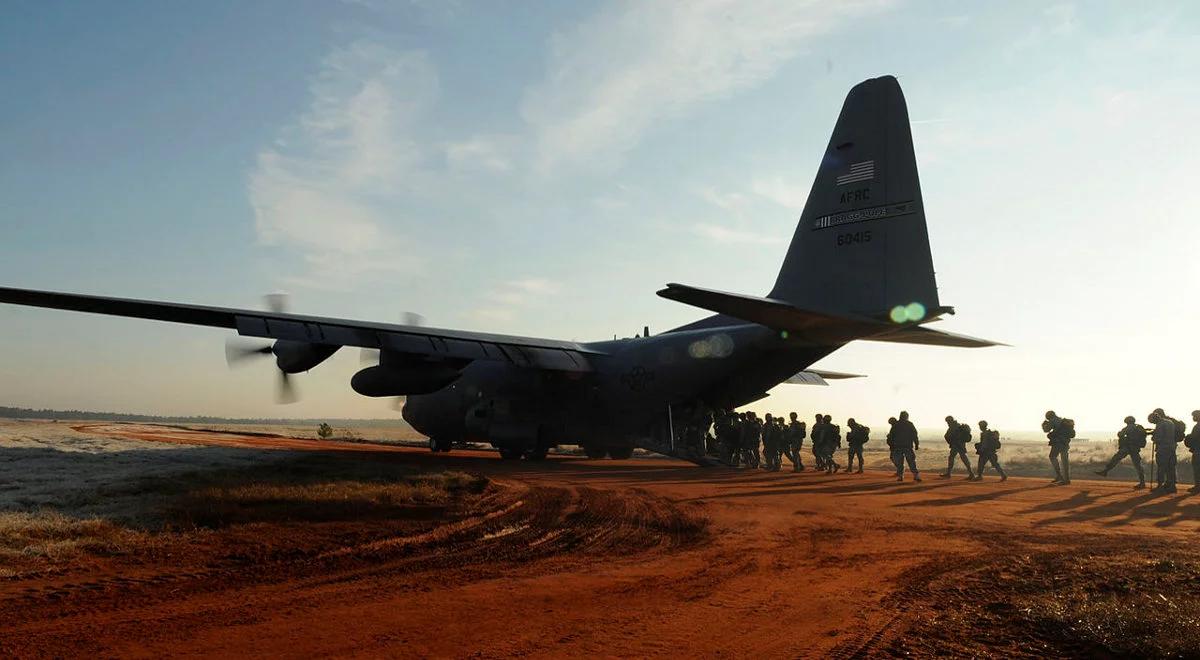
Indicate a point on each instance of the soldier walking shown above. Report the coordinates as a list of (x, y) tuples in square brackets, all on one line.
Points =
[(1165, 436), (770, 441), (988, 449), (893, 454), (957, 437), (856, 437), (818, 441), (796, 433), (1131, 439), (905, 442), (833, 442), (1192, 442), (1059, 431)]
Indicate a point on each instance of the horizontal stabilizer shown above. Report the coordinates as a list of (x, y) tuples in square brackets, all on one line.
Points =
[(820, 327), (818, 377), (764, 311), (930, 337)]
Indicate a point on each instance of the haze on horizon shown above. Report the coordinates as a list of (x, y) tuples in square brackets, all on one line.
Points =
[(543, 169)]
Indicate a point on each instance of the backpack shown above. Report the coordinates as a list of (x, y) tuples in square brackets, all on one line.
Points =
[(1180, 430), (993, 436), (1069, 428)]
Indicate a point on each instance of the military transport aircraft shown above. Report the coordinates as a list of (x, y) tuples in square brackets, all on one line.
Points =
[(858, 268)]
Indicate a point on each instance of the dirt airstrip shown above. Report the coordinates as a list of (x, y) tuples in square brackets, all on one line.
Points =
[(331, 548)]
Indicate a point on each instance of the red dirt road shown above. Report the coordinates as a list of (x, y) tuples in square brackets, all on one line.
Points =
[(579, 558)]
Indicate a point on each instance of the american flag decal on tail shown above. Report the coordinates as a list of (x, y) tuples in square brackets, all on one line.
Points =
[(864, 171)]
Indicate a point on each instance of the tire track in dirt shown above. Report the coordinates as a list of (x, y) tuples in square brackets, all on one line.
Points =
[(510, 526)]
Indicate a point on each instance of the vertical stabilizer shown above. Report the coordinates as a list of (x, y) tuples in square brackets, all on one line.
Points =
[(861, 245)]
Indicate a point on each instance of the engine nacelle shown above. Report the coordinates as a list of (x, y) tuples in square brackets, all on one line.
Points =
[(412, 379), (294, 357)]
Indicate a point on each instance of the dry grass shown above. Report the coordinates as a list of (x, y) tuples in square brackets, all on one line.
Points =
[(53, 536), (320, 499)]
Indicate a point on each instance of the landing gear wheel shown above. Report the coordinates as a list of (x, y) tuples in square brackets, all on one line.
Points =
[(536, 454), (510, 453), (439, 444), (620, 453), (595, 452)]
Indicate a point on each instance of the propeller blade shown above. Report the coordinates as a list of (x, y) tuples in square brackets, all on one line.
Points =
[(238, 351), (413, 318), (285, 391), (368, 356), (276, 302)]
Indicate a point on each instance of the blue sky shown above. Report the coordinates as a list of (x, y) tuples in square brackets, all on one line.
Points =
[(542, 169)]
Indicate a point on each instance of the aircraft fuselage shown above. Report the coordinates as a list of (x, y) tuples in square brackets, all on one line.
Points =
[(624, 400)]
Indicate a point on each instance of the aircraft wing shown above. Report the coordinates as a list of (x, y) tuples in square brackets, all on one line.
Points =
[(523, 351)]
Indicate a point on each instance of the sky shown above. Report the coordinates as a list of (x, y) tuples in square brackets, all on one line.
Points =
[(543, 168)]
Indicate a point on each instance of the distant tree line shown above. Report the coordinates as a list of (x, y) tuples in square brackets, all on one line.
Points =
[(46, 413)]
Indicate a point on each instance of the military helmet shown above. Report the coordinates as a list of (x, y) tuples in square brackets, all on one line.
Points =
[(1130, 419), (891, 420), (983, 423), (903, 414), (949, 418), (1050, 414)]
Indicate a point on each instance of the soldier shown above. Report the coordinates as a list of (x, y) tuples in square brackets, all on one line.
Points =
[(988, 449), (833, 442), (818, 441), (796, 433), (856, 437), (1059, 431), (957, 437), (1131, 439), (1165, 436), (752, 437), (770, 441), (738, 438), (893, 454), (906, 442), (1192, 442)]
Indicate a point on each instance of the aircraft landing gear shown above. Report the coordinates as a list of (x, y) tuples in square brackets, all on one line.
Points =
[(620, 453), (536, 453), (440, 444), (510, 453), (595, 451)]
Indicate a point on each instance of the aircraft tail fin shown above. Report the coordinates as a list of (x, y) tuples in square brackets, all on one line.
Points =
[(861, 244)]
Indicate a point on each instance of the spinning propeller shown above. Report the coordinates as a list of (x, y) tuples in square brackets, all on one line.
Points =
[(240, 351)]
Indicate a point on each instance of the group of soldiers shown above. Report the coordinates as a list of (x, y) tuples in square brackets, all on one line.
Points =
[(1167, 434), (743, 439)]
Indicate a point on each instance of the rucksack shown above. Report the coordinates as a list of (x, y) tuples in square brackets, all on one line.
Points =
[(1069, 428), (1180, 430), (993, 436)]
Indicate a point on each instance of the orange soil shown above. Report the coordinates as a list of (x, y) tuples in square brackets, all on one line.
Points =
[(577, 558)]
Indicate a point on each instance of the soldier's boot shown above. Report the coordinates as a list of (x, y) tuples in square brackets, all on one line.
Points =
[(916, 476), (1141, 485), (1003, 477)]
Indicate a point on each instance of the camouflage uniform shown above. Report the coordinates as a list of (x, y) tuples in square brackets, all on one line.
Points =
[(770, 442), (818, 441), (796, 433), (1164, 439), (906, 442), (957, 437), (856, 437), (1192, 442), (988, 449), (1131, 439), (833, 442), (1059, 432)]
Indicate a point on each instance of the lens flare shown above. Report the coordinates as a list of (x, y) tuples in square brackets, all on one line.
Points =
[(899, 314), (915, 311)]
